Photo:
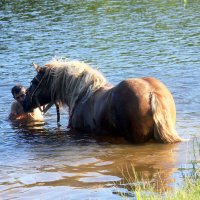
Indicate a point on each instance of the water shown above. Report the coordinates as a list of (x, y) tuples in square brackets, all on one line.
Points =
[(122, 39)]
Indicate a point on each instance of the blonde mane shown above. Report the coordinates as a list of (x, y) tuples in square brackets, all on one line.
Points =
[(73, 80)]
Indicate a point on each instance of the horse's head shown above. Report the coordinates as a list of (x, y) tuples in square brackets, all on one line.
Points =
[(37, 94), (64, 82)]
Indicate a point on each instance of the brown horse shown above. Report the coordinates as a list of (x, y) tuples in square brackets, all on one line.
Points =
[(138, 109)]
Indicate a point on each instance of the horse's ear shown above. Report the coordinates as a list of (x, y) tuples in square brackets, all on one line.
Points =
[(37, 67)]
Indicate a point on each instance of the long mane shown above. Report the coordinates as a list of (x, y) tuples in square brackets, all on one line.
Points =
[(73, 80)]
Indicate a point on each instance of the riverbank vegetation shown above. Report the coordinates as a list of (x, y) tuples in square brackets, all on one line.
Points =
[(188, 190)]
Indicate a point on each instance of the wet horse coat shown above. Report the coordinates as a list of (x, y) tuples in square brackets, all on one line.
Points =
[(137, 109)]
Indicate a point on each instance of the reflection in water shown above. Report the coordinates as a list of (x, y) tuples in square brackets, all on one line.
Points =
[(28, 126), (47, 158), (116, 165), (57, 158)]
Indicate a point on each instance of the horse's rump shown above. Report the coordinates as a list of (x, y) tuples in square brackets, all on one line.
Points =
[(144, 109)]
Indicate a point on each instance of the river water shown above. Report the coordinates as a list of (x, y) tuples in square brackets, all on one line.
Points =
[(122, 39)]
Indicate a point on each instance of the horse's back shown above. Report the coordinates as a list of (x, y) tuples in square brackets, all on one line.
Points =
[(133, 109)]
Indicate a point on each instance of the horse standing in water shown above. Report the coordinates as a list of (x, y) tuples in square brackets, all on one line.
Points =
[(138, 109)]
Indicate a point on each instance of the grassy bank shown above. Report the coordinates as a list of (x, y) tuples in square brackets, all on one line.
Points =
[(190, 191)]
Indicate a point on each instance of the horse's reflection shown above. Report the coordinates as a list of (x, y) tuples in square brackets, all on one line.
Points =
[(25, 126), (98, 162), (150, 165)]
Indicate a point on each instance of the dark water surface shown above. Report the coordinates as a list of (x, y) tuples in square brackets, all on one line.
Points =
[(123, 39)]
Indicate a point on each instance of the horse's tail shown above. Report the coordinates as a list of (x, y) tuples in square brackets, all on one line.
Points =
[(164, 127)]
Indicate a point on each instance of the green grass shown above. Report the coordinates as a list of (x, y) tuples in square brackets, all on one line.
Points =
[(190, 191)]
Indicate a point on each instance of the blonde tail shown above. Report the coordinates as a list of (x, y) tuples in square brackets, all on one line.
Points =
[(164, 130)]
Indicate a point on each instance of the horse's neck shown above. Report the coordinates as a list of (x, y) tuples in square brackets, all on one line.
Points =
[(102, 102)]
